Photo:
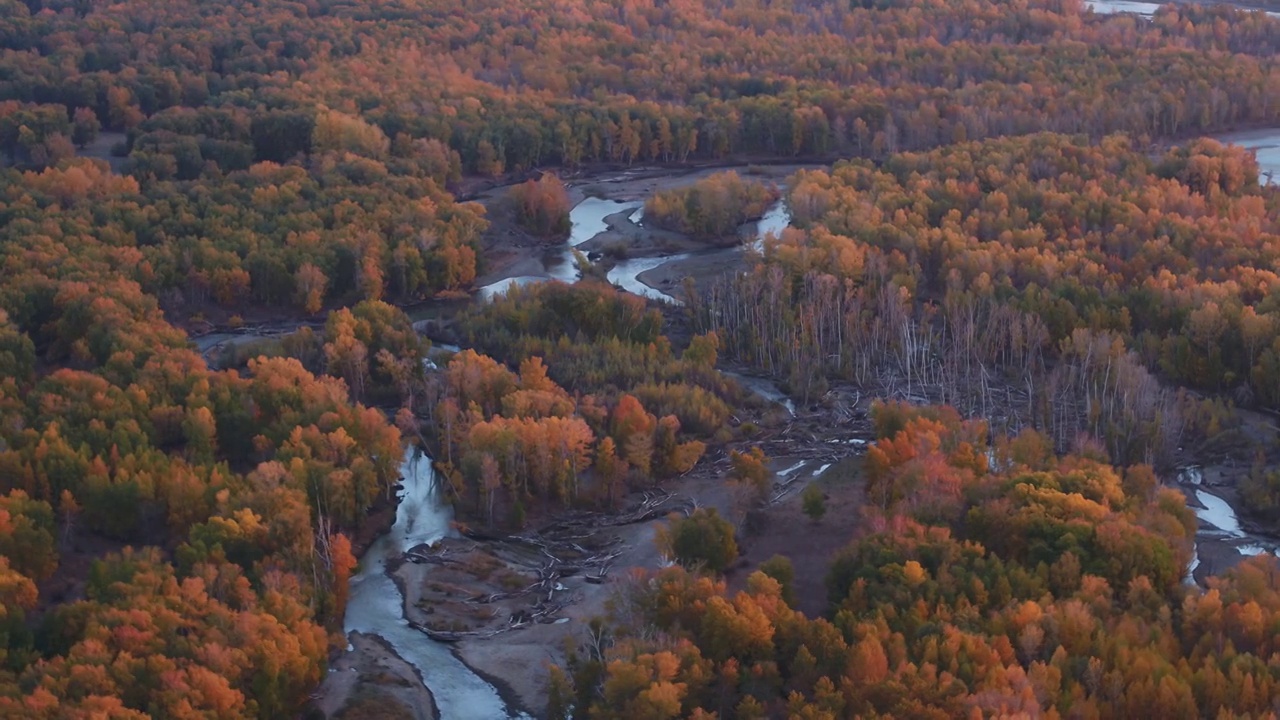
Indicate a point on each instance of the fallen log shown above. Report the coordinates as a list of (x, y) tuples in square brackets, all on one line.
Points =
[(420, 558)]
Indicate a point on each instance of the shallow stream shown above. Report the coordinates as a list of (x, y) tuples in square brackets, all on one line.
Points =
[(376, 605), (588, 219), (1219, 522)]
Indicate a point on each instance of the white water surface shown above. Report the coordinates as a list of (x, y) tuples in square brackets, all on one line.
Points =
[(489, 292), (793, 468), (586, 220), (626, 275), (1218, 513), (776, 219)]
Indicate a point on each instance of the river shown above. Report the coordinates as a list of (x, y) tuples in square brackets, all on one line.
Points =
[(376, 605), (1110, 7), (1218, 523), (1146, 9), (1218, 520), (626, 274), (588, 219)]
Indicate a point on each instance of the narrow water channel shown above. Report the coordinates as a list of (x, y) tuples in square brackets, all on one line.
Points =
[(626, 275), (589, 218), (586, 220), (1218, 523), (376, 605), (1147, 9), (776, 219)]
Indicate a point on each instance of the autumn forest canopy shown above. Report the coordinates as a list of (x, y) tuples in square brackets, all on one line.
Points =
[(1013, 232)]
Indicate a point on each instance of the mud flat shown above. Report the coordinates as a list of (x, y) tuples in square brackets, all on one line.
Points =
[(509, 614), (626, 237), (467, 592)]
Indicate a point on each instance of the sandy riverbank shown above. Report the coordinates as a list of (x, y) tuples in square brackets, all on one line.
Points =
[(516, 661), (370, 680), (521, 659), (704, 268)]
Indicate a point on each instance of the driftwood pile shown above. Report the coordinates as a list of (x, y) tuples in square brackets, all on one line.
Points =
[(573, 545)]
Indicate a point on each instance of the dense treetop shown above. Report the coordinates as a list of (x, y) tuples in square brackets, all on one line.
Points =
[(1027, 585), (544, 82), (175, 540)]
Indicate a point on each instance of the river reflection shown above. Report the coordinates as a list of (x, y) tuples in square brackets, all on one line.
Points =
[(586, 220), (626, 275)]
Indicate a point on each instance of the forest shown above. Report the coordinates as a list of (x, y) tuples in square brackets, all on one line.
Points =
[(1033, 585), (1021, 290), (1081, 271), (713, 208)]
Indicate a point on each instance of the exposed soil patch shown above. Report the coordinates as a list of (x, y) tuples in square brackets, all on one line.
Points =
[(517, 662), (100, 149), (705, 268), (1216, 557), (785, 530), (627, 239)]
